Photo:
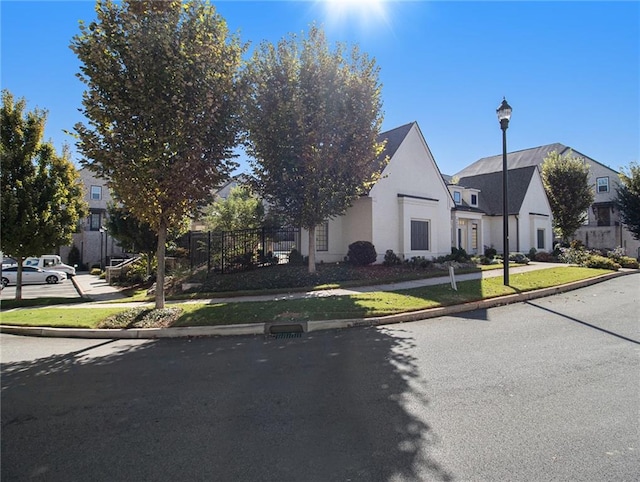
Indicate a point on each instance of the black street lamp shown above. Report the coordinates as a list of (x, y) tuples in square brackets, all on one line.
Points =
[(101, 233), (504, 114)]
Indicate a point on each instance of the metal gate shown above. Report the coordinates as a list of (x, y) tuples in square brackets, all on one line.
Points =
[(232, 251)]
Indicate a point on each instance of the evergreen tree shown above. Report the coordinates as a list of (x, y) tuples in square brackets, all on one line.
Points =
[(628, 199), (566, 182)]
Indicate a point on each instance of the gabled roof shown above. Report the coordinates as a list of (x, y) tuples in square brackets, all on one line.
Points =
[(394, 138), (518, 159), (515, 160), (490, 186)]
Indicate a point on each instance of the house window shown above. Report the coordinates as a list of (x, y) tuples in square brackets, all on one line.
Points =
[(322, 237), (474, 199), (602, 184), (456, 197), (419, 235), (474, 233), (603, 215), (540, 239), (95, 222), (96, 193)]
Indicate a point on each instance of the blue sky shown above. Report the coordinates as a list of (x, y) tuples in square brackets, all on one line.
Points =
[(570, 70)]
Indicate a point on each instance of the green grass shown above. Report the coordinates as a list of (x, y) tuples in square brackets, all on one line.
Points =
[(361, 305), (57, 317)]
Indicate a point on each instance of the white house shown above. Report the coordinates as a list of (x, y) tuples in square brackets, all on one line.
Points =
[(408, 210), (603, 229), (478, 216)]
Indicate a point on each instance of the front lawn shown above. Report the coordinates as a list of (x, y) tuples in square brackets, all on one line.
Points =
[(361, 305)]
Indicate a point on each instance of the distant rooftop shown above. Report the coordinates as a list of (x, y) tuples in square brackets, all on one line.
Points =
[(518, 159)]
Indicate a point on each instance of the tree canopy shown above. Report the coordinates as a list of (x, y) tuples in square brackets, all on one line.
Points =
[(566, 182), (240, 210), (42, 198), (132, 235), (162, 107), (628, 199), (312, 118)]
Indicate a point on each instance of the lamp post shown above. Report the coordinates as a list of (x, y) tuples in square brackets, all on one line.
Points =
[(504, 114), (101, 233)]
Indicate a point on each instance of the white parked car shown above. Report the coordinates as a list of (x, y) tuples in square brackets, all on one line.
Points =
[(31, 275)]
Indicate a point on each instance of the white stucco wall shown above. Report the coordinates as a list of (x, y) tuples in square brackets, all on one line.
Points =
[(411, 172), (384, 219), (535, 213)]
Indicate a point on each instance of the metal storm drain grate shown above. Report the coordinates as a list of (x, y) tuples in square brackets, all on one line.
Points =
[(289, 330), (278, 336)]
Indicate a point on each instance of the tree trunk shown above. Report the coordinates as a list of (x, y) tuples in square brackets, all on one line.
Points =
[(312, 249), (19, 278), (162, 243)]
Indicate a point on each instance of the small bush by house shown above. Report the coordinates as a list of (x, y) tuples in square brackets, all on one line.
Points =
[(391, 258), (362, 253)]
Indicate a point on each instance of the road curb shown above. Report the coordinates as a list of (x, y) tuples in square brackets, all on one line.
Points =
[(309, 326)]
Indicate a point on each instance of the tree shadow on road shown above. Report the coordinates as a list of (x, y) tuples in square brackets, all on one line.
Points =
[(334, 405)]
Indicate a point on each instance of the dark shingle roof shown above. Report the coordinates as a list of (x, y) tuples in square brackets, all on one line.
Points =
[(526, 157), (490, 186), (394, 138), (515, 160)]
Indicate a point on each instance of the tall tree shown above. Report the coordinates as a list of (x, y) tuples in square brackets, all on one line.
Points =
[(312, 118), (42, 198), (566, 182), (628, 199), (240, 210), (162, 107)]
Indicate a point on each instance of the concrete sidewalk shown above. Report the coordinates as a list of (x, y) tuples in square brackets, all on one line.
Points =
[(98, 289)]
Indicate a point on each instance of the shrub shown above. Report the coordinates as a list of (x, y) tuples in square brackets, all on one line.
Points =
[(96, 271), (490, 253), (295, 257), (532, 254), (74, 256), (420, 262), (391, 258), (598, 261), (577, 256), (618, 255), (518, 258), (628, 262), (362, 253), (544, 257), (459, 255)]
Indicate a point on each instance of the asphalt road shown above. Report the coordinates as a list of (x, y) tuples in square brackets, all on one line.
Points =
[(538, 391)]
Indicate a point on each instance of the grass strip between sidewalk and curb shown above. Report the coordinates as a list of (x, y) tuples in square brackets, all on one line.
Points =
[(360, 305)]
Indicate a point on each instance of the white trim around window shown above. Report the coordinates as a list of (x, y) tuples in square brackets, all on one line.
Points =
[(602, 184)]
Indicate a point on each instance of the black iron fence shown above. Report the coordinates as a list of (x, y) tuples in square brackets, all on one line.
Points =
[(231, 251)]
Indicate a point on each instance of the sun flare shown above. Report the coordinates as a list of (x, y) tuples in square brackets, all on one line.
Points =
[(367, 13)]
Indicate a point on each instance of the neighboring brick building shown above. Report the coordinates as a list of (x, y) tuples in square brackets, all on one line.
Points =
[(95, 245)]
